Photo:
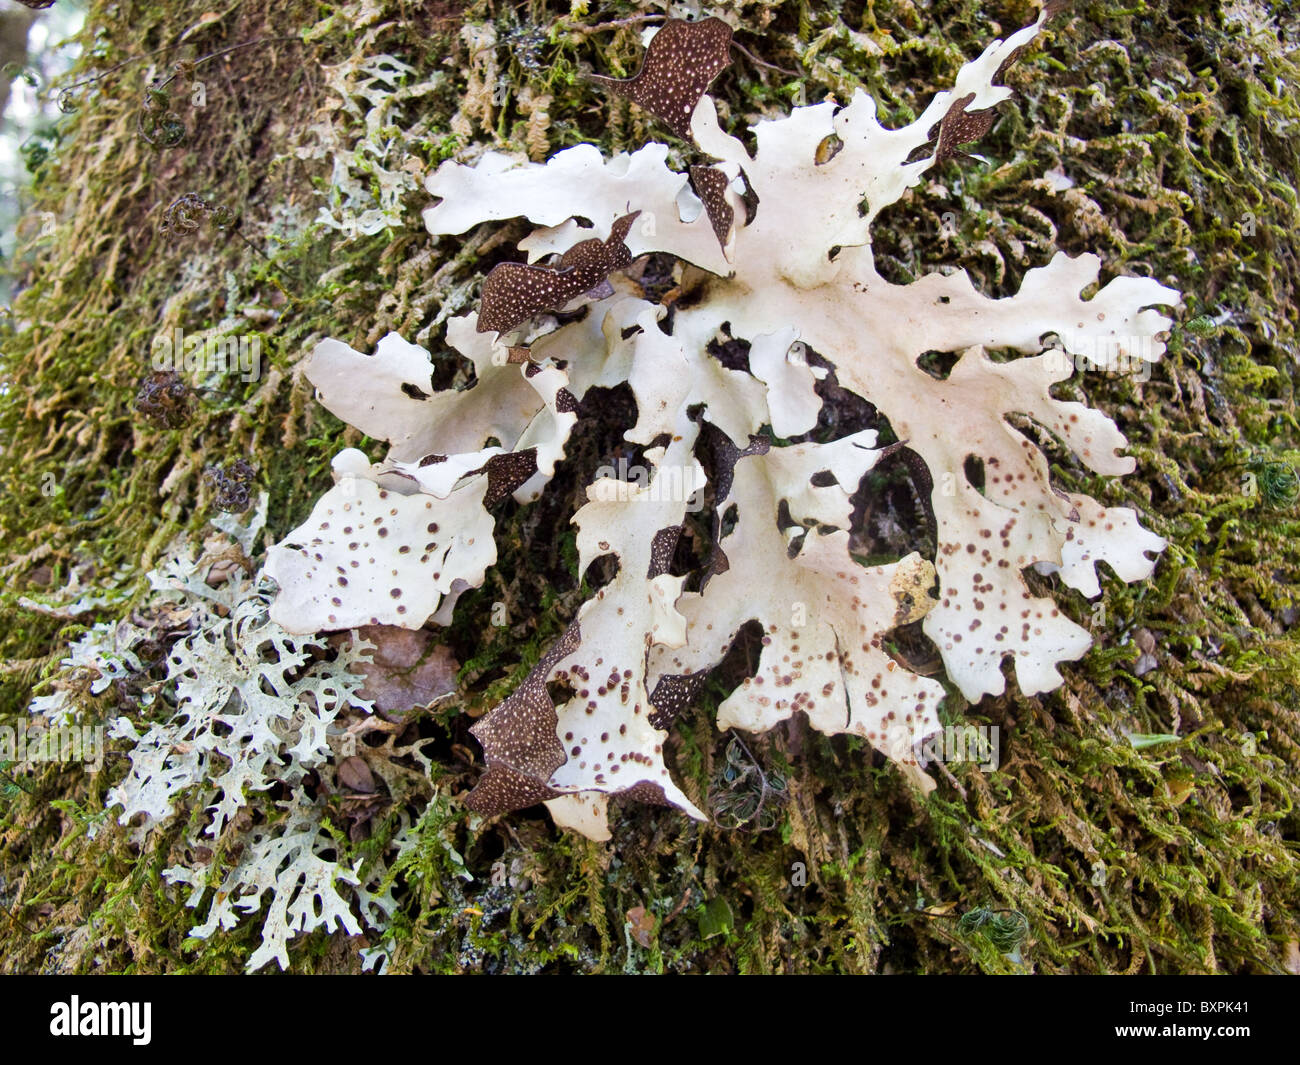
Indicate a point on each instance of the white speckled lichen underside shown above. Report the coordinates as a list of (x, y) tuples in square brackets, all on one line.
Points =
[(396, 541)]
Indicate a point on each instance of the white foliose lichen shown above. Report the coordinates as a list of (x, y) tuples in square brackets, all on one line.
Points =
[(777, 259)]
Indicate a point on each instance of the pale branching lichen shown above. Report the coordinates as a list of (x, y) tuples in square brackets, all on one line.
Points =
[(370, 176), (101, 655), (255, 711), (775, 257)]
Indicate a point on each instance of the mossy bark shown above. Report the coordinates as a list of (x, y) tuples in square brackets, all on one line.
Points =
[(1083, 852)]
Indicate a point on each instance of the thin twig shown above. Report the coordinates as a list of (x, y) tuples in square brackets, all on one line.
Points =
[(763, 62), (19, 924), (617, 23), (119, 66), (252, 245), (166, 48), (951, 779), (227, 51)]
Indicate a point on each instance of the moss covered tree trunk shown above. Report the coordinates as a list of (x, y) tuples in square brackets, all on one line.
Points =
[(1143, 817)]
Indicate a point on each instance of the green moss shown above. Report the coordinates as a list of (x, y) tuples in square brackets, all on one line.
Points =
[(1095, 855)]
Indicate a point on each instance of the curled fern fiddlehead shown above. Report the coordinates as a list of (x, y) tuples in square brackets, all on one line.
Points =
[(233, 485), (164, 399)]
